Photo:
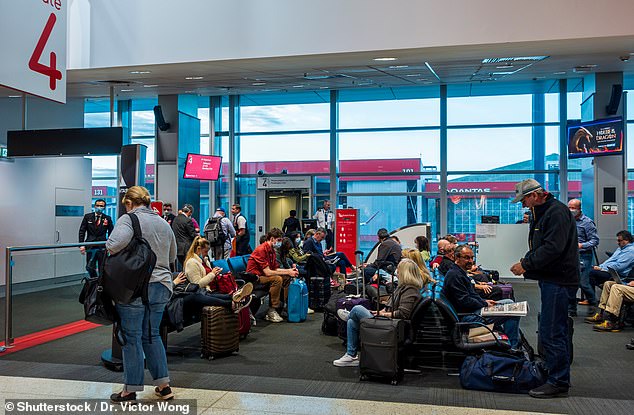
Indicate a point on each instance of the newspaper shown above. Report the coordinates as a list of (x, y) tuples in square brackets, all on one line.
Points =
[(502, 310)]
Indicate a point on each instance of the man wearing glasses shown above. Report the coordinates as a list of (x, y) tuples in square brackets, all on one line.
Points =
[(552, 260), (95, 227)]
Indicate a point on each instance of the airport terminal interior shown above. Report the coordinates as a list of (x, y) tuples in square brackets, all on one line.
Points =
[(399, 121)]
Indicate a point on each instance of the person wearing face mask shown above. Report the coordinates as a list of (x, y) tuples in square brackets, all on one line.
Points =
[(198, 271), (228, 232), (588, 240), (263, 264), (296, 252), (167, 213), (461, 294), (96, 226)]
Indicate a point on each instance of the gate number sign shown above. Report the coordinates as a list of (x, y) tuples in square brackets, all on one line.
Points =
[(34, 64), (33, 47)]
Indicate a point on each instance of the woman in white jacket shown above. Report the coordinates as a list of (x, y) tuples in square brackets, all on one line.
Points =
[(198, 271)]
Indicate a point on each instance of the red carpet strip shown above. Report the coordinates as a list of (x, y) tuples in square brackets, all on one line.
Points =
[(45, 336)]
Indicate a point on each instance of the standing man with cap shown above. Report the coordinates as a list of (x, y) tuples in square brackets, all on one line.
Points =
[(95, 227), (588, 241), (222, 248), (552, 260)]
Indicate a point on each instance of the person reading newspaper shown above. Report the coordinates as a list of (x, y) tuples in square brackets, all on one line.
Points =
[(461, 294)]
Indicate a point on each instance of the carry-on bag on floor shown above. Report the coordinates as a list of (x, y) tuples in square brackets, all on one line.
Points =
[(319, 292), (381, 339), (571, 332), (501, 372), (244, 322), (347, 303), (329, 326), (297, 301), (219, 335)]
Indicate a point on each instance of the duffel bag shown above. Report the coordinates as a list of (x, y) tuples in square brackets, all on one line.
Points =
[(501, 372)]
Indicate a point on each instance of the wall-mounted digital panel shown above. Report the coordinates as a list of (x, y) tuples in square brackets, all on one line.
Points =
[(65, 142)]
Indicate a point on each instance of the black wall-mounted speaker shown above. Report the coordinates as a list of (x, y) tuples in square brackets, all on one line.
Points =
[(160, 120), (615, 99)]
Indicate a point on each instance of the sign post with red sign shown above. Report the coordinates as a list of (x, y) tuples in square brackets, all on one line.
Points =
[(157, 207), (347, 231), (33, 47)]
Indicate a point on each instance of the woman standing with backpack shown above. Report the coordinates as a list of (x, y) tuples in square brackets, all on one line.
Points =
[(137, 318)]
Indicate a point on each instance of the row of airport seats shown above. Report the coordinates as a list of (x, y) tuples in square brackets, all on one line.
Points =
[(237, 266), (437, 339)]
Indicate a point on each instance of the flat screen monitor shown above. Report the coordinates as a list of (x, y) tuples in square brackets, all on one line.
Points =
[(202, 167), (602, 137)]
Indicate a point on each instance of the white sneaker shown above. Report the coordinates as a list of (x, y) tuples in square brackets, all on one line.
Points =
[(310, 311), (343, 314), (273, 317), (346, 361)]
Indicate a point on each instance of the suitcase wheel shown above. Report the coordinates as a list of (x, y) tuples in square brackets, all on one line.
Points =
[(363, 378), (394, 382), (243, 336)]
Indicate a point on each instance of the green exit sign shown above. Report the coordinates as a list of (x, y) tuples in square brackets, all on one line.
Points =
[(3, 152)]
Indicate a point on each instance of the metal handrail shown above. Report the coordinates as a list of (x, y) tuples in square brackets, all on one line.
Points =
[(8, 301)]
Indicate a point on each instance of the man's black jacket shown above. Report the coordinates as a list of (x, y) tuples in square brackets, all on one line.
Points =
[(460, 292), (95, 227), (553, 254)]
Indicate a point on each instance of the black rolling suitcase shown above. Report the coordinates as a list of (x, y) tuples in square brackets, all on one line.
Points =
[(571, 331), (381, 341)]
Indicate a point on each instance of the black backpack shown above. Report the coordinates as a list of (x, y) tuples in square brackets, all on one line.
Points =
[(126, 274), (214, 232)]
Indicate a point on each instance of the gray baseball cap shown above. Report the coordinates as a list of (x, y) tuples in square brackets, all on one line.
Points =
[(524, 188)]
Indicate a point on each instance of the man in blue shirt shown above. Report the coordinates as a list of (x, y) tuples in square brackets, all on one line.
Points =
[(313, 245), (621, 261), (588, 240)]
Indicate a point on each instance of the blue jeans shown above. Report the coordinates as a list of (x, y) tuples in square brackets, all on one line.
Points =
[(553, 331), (584, 277), (135, 329), (357, 314)]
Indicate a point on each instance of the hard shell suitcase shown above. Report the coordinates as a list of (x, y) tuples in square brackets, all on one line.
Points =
[(219, 333), (297, 301), (381, 340), (244, 323), (347, 303)]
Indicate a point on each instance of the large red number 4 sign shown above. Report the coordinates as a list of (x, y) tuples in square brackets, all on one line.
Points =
[(34, 64)]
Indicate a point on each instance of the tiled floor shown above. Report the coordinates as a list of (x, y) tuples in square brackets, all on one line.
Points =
[(222, 402)]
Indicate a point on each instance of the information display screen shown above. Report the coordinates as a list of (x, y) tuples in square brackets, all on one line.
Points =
[(595, 138), (202, 167)]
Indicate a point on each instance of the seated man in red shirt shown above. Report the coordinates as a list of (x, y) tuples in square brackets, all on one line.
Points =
[(263, 263)]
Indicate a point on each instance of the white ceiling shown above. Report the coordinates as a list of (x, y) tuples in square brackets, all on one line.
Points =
[(413, 67)]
